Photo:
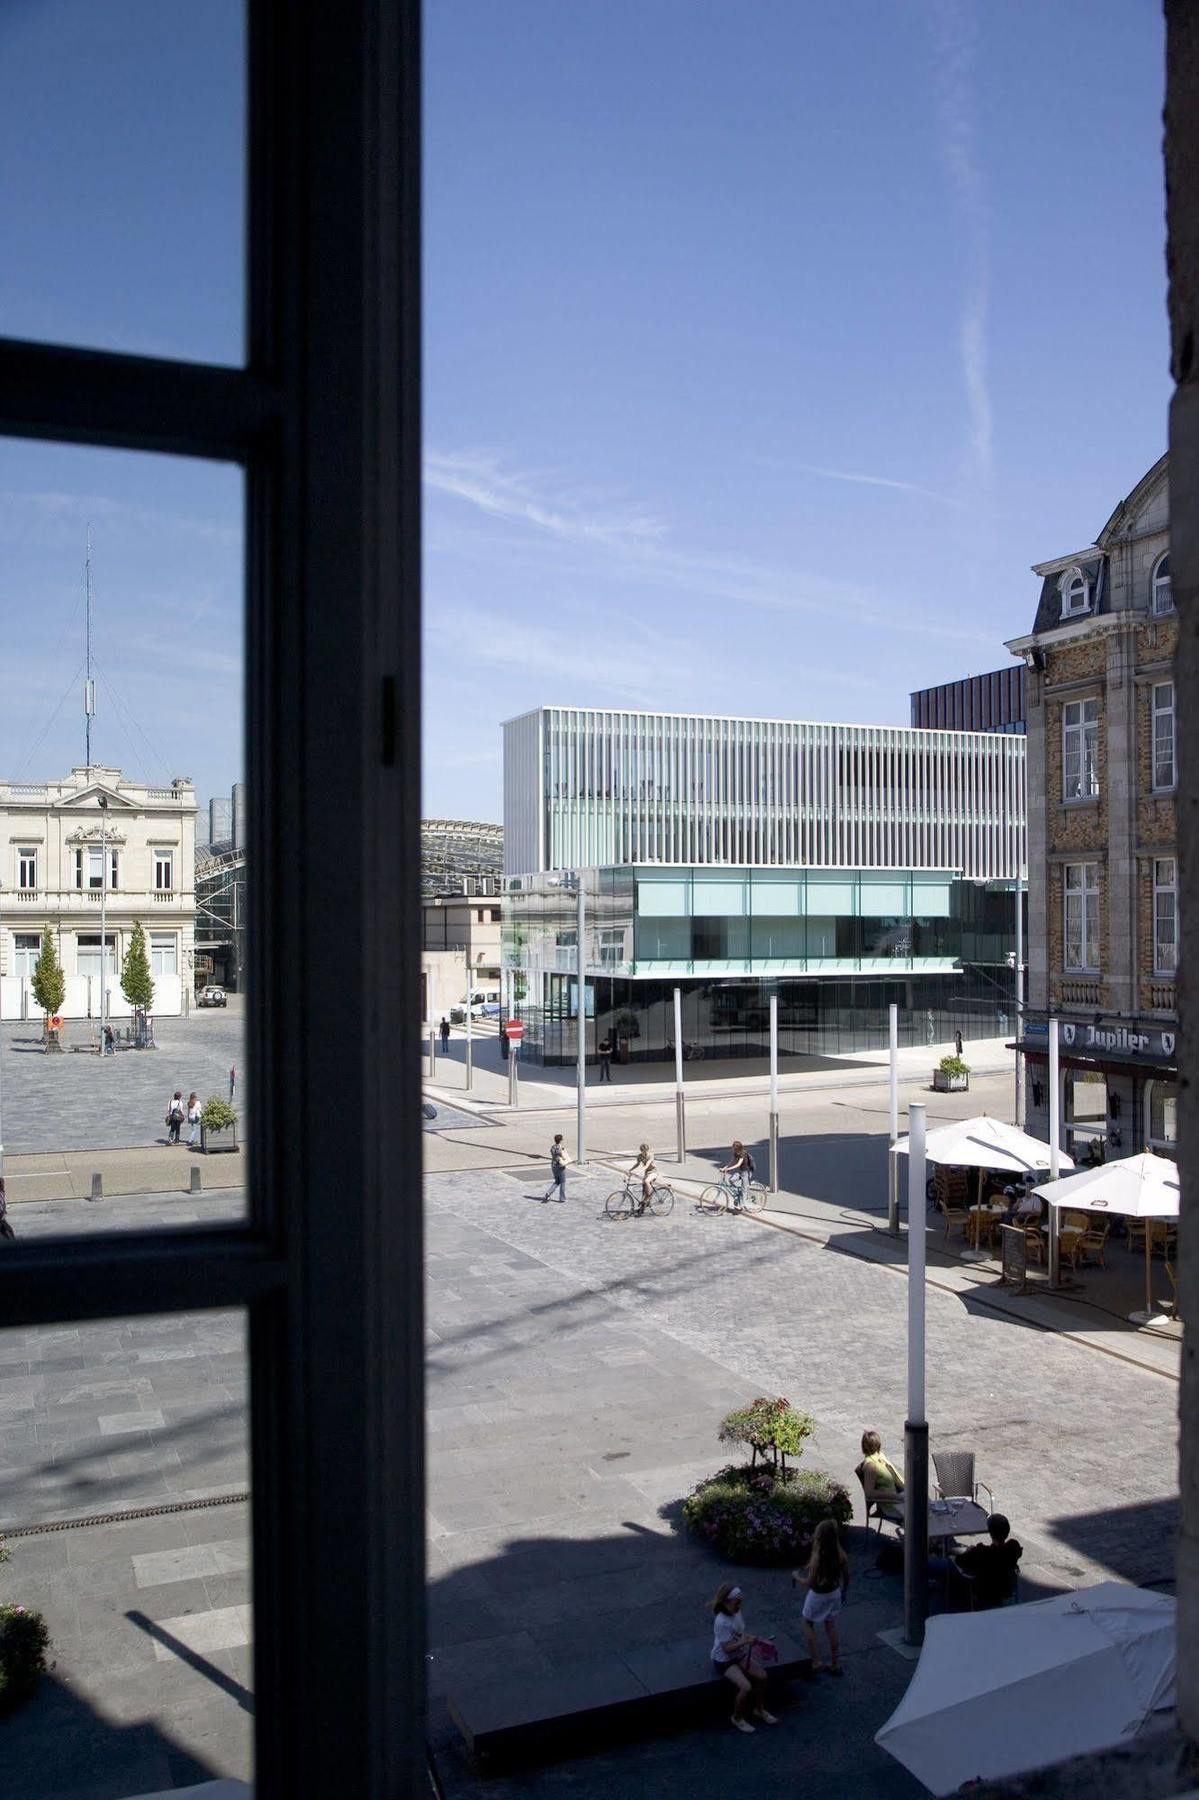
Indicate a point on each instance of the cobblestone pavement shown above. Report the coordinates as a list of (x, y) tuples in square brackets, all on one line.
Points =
[(577, 1372), (83, 1102)]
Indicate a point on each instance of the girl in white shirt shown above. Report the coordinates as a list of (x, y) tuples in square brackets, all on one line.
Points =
[(734, 1658)]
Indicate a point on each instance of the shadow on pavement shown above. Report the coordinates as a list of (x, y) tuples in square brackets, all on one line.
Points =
[(59, 1745)]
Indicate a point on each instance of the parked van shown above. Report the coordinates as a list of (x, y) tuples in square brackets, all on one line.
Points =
[(484, 1004)]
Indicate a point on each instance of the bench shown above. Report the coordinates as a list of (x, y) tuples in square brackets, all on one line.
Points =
[(521, 1718)]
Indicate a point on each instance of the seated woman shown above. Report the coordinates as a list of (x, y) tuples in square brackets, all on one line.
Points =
[(881, 1480), (735, 1660)]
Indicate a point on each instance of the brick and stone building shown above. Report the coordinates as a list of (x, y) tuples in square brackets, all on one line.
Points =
[(1103, 872), (66, 859)]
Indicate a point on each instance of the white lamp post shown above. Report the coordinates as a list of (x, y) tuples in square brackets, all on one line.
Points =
[(915, 1431), (103, 804)]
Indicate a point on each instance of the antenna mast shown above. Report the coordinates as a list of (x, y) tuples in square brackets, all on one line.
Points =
[(89, 686)]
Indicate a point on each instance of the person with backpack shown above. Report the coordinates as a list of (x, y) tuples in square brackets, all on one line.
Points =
[(742, 1165), (558, 1162), (175, 1115)]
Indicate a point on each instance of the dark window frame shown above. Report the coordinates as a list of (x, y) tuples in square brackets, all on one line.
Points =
[(325, 421)]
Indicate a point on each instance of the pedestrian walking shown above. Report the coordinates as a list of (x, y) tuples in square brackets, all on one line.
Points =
[(605, 1056), (827, 1581), (175, 1116), (444, 1030), (957, 1042), (110, 1043), (232, 1081), (6, 1230), (558, 1162), (193, 1119)]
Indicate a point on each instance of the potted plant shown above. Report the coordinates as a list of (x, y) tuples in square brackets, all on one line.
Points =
[(218, 1125), (952, 1076), (626, 1026), (24, 1640)]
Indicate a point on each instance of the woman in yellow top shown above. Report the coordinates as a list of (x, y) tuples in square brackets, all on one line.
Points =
[(880, 1478)]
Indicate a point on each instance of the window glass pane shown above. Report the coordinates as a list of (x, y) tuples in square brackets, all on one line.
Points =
[(110, 811), (122, 211), (128, 1428)]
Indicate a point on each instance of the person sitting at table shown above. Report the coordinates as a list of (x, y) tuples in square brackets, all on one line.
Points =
[(881, 1480), (1025, 1207), (992, 1568)]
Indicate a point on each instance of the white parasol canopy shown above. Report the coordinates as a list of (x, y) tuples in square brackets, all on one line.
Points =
[(1139, 1187), (986, 1143), (999, 1693)]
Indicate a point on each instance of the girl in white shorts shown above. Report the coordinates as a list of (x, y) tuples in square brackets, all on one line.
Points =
[(827, 1581)]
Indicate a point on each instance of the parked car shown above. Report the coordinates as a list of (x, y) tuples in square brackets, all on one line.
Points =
[(212, 996)]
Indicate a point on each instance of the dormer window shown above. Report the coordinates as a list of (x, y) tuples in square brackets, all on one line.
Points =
[(1163, 594), (1076, 593)]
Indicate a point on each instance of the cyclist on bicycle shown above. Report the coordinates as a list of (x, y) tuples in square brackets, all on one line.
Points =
[(742, 1165), (647, 1169)]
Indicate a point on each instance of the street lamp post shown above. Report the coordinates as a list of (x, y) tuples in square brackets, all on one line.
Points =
[(470, 1049), (103, 804), (915, 1431), (774, 1091), (892, 1159), (581, 1049)]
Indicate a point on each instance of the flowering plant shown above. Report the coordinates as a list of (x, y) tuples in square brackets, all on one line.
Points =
[(24, 1640), (772, 1429), (753, 1513)]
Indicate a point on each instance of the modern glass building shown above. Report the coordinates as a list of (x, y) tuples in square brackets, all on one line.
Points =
[(845, 867)]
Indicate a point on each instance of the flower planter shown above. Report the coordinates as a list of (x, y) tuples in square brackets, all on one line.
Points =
[(950, 1084), (212, 1142)]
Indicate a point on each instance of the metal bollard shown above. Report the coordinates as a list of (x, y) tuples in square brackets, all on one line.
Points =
[(195, 1186), (97, 1192)]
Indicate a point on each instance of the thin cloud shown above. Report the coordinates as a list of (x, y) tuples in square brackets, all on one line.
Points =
[(481, 481), (955, 48), (881, 481), (722, 579)]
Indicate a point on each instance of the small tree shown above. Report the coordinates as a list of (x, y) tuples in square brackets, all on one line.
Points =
[(137, 983), (774, 1430), (49, 982)]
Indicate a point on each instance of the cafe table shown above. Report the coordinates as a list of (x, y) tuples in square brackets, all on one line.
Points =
[(984, 1217), (955, 1518)]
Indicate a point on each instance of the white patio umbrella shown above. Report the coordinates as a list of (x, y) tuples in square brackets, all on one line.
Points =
[(986, 1143), (1138, 1187), (998, 1693)]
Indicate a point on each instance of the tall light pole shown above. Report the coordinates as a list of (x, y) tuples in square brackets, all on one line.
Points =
[(470, 994), (915, 1431), (774, 1090), (893, 1083), (581, 1049), (1, 1065), (103, 804), (1019, 994)]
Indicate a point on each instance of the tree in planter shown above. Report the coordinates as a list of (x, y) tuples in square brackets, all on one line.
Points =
[(49, 983), (137, 983), (773, 1429), (24, 1640), (954, 1065)]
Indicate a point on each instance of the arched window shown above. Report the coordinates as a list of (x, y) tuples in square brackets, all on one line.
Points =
[(1076, 593), (1163, 595)]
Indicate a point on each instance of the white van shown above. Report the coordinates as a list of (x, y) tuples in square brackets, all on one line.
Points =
[(484, 1004)]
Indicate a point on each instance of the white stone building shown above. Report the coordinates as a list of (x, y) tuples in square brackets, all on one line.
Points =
[(65, 859)]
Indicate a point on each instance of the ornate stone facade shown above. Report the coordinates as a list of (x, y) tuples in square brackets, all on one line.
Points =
[(1102, 772)]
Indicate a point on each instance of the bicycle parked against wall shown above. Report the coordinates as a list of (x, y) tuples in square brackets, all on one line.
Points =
[(725, 1196), (629, 1201), (691, 1052)]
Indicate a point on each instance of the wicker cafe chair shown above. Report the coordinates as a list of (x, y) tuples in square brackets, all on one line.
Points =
[(1093, 1242), (955, 1477), (1074, 1228)]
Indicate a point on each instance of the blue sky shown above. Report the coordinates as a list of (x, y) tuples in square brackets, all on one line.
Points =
[(766, 347)]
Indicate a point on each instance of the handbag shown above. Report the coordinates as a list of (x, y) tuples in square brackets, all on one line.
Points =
[(767, 1650)]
